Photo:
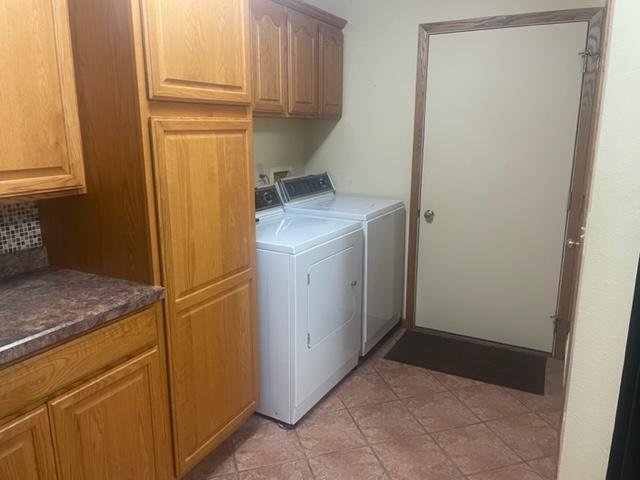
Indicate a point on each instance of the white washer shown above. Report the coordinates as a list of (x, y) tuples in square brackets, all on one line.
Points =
[(383, 223), (309, 273)]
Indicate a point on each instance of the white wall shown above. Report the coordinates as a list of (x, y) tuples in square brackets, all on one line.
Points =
[(369, 150), (279, 142), (609, 263)]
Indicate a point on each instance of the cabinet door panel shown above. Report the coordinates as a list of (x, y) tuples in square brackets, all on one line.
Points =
[(40, 147), (303, 64), (205, 194), (331, 43), (215, 357), (198, 51), (269, 40), (115, 426), (25, 448), (204, 176)]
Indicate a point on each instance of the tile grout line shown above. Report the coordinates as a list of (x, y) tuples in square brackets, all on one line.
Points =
[(369, 446), (483, 422), (427, 433), (304, 451)]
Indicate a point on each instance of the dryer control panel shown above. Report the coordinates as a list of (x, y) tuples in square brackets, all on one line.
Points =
[(307, 186)]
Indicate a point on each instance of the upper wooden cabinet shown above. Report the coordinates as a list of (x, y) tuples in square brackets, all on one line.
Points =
[(269, 40), (303, 64), (40, 146), (198, 51), (297, 72), (331, 41), (26, 452)]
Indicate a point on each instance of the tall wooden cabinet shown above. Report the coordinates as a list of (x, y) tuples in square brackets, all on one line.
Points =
[(40, 147), (297, 60), (206, 215), (165, 109)]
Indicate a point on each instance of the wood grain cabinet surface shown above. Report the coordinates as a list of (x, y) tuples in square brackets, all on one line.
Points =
[(330, 56), (98, 407), (297, 60), (198, 51), (26, 451), (40, 145), (174, 116), (204, 176), (303, 64), (269, 42), (116, 425)]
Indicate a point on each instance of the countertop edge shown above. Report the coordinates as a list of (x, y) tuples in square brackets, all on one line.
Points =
[(34, 344)]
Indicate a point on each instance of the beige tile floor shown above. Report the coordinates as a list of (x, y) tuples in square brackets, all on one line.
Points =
[(387, 420)]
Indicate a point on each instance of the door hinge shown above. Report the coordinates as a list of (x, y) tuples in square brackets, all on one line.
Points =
[(308, 279), (556, 322), (308, 340), (585, 54)]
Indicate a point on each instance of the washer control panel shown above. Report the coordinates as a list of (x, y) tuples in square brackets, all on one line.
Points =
[(300, 187)]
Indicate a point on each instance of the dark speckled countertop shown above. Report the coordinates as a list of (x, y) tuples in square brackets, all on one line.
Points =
[(45, 307)]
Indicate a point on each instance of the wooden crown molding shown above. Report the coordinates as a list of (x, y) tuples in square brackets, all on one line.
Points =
[(314, 12)]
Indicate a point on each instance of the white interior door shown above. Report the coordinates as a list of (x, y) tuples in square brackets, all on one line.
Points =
[(501, 116)]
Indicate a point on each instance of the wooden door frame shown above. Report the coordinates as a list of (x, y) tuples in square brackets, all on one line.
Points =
[(583, 152)]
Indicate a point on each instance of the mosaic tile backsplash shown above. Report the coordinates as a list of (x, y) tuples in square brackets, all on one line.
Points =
[(19, 227)]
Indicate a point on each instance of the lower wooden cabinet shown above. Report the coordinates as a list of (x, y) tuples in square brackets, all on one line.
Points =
[(115, 426), (98, 407), (26, 452)]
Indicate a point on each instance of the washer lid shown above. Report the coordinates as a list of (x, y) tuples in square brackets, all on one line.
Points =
[(293, 234), (341, 206)]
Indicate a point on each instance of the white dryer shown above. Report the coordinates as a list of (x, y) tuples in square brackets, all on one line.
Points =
[(309, 273), (383, 223)]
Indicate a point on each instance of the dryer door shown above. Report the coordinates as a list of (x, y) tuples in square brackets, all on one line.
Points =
[(329, 315), (333, 294)]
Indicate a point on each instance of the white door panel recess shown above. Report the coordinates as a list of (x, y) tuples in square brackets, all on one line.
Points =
[(501, 116)]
